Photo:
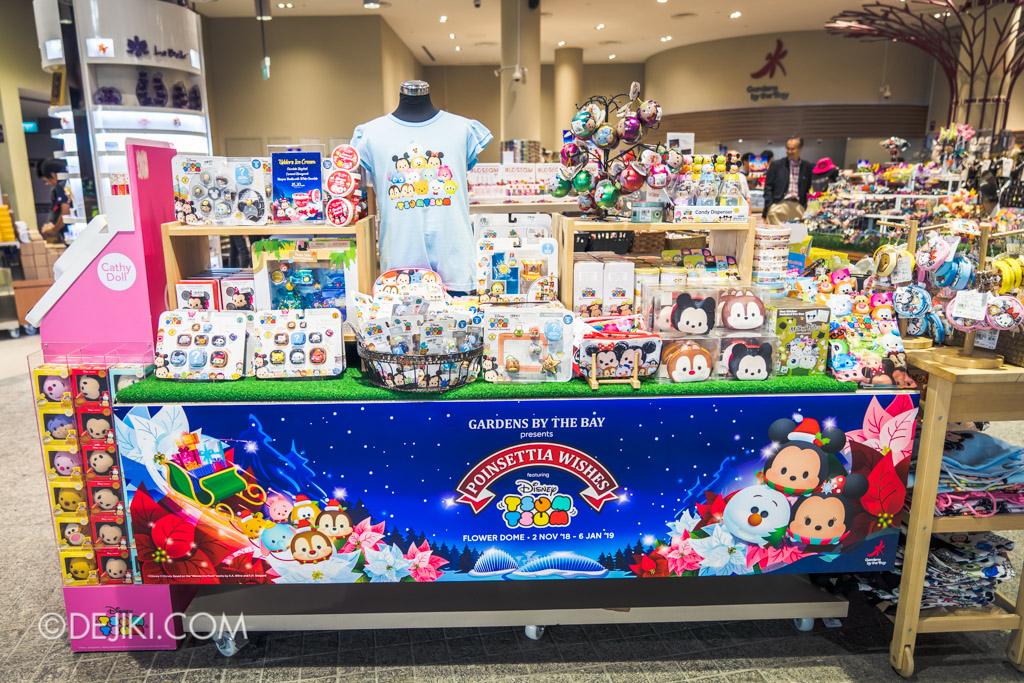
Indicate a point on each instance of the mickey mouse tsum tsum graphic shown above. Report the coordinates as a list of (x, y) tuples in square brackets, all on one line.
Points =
[(750, 361), (806, 460), (825, 518), (195, 300), (240, 299)]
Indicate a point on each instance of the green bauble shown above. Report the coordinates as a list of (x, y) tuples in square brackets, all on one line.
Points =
[(583, 181), (606, 194), (558, 186)]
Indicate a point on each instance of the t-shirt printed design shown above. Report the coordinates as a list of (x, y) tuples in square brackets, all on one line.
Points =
[(420, 179)]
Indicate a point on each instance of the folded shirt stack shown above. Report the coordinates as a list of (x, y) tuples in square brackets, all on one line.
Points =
[(973, 462), (963, 570)]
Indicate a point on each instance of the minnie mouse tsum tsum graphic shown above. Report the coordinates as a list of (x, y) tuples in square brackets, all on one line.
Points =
[(825, 518), (196, 301), (805, 461), (434, 159), (693, 316), (750, 361), (241, 299)]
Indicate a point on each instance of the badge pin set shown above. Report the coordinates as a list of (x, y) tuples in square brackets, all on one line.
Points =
[(220, 190), (298, 344), (83, 472)]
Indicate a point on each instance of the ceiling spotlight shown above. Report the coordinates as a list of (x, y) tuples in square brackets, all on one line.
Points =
[(280, 5), (662, 1), (458, 48), (561, 43), (263, 10), (370, 4), (452, 36), (611, 56), (665, 39), (289, 5), (736, 15), (599, 27), (444, 18)]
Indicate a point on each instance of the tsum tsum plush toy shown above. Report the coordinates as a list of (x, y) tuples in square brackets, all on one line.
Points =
[(116, 569), (688, 362), (742, 310), (70, 500), (693, 316), (805, 460), (59, 426), (73, 534), (65, 463), (196, 301), (79, 568), (757, 514), (54, 388)]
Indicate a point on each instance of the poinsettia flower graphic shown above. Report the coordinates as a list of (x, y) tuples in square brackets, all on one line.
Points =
[(386, 565), (889, 430), (651, 565), (723, 554), (680, 555), (424, 563), (768, 558), (365, 536), (137, 47)]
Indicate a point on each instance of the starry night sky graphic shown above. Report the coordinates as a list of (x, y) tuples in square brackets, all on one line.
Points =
[(403, 460)]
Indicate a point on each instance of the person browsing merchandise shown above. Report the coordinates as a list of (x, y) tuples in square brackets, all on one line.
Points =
[(60, 204), (786, 184)]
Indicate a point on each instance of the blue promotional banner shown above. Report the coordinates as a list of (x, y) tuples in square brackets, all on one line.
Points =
[(516, 490)]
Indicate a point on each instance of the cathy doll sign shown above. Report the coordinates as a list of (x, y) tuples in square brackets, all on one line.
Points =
[(474, 491)]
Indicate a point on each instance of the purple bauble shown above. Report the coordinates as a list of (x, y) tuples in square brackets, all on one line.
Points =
[(629, 128), (572, 154), (658, 176)]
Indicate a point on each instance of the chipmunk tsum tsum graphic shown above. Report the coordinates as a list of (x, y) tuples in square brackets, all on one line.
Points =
[(310, 546), (420, 179), (742, 310)]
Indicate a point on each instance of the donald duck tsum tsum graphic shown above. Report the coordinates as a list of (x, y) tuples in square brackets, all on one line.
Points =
[(420, 179)]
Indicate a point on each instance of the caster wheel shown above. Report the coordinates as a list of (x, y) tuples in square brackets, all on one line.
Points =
[(905, 667), (15, 332), (534, 632), (30, 329), (805, 624), (227, 644)]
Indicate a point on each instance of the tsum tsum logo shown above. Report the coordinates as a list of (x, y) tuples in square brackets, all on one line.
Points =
[(499, 323), (588, 292), (618, 292), (121, 624), (537, 505)]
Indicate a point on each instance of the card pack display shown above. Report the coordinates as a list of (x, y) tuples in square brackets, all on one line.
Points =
[(802, 330), (618, 355), (527, 344), (506, 273), (292, 274), (220, 190), (691, 359), (201, 345), (588, 288), (618, 288), (868, 351), (298, 344)]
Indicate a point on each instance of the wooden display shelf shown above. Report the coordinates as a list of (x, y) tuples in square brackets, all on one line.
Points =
[(955, 394), (1006, 522), (525, 207), (186, 247), (725, 239)]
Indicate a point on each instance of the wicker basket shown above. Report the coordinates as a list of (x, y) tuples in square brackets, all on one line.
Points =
[(683, 240), (647, 243), (426, 374)]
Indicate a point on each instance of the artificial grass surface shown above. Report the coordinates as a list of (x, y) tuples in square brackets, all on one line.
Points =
[(352, 386)]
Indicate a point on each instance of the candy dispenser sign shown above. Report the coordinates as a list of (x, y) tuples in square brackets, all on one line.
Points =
[(475, 491)]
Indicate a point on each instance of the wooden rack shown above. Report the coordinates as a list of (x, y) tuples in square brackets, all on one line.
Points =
[(730, 239), (186, 247), (954, 394)]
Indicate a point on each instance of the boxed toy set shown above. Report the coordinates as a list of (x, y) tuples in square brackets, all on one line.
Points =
[(507, 273), (304, 274), (619, 355), (211, 190), (802, 331), (298, 344), (527, 344)]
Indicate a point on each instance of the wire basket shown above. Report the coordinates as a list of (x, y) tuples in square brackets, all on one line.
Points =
[(425, 374)]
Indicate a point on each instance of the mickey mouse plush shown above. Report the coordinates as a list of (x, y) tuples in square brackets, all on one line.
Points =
[(196, 301), (693, 316)]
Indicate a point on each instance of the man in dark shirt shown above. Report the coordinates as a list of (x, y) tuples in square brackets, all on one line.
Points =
[(786, 184), (60, 204)]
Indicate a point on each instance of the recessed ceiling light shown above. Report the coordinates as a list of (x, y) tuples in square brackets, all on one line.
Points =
[(599, 27), (289, 5), (370, 4), (458, 48), (444, 18), (280, 5), (452, 36), (736, 15), (662, 1), (561, 43), (611, 56), (665, 39)]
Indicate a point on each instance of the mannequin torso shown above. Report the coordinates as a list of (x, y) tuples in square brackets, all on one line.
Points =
[(414, 103)]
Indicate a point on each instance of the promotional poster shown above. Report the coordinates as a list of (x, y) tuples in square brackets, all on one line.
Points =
[(516, 490)]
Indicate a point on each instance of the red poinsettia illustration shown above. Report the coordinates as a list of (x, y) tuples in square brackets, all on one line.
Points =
[(651, 565), (711, 512), (176, 547), (424, 563), (886, 494), (247, 569)]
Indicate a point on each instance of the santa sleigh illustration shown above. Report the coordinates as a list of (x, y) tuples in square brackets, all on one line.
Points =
[(206, 474)]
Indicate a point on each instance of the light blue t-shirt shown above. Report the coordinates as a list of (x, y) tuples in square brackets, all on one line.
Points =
[(419, 173)]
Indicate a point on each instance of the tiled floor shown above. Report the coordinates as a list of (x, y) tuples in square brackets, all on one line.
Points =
[(736, 651)]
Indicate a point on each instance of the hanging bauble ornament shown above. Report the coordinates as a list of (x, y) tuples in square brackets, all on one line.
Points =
[(673, 159), (583, 181), (629, 129), (595, 110), (606, 195), (649, 113), (658, 176), (615, 168), (573, 154), (630, 179), (583, 124), (634, 91), (649, 157), (558, 186), (586, 202), (605, 137)]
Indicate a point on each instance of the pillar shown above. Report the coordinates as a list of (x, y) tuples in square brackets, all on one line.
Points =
[(568, 86), (520, 101)]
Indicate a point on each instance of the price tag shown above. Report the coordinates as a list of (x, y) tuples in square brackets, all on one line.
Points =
[(903, 272), (986, 339), (971, 305)]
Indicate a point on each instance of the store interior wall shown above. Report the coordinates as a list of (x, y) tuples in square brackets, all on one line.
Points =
[(19, 69), (397, 65), (316, 89)]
